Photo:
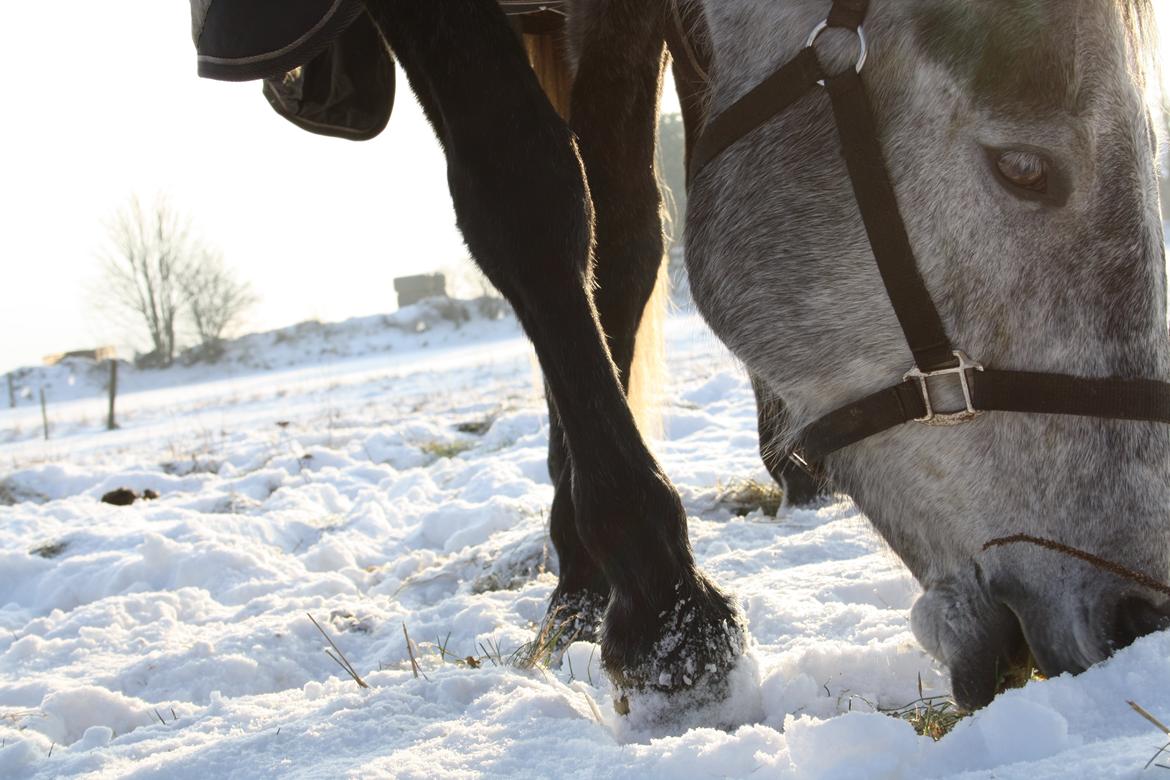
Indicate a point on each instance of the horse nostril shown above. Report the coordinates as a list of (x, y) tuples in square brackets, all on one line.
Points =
[(1136, 617)]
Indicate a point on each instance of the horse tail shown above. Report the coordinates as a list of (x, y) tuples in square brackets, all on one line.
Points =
[(546, 54), (648, 370)]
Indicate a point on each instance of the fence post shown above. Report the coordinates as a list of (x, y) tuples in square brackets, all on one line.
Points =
[(11, 391), (110, 423), (44, 413)]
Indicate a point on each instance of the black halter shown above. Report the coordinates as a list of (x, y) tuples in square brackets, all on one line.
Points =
[(984, 389)]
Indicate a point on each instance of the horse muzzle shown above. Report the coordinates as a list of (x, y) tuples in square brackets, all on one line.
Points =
[(1080, 616), (977, 639), (990, 627)]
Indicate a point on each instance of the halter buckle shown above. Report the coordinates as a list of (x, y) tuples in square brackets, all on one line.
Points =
[(862, 56), (947, 418)]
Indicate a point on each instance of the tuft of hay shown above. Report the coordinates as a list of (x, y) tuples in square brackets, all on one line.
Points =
[(50, 549), (475, 427), (446, 449), (1020, 674), (543, 647), (12, 494), (537, 653), (931, 716), (744, 496), (936, 716)]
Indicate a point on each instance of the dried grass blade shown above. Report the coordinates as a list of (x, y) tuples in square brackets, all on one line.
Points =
[(341, 660), (414, 667), (1140, 710)]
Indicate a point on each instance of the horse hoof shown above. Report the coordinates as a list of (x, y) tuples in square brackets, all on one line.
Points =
[(701, 674), (725, 702), (691, 670)]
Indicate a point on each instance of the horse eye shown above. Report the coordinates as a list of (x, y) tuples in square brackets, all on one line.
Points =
[(1024, 170)]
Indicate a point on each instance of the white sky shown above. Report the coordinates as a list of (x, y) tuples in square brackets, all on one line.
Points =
[(101, 101)]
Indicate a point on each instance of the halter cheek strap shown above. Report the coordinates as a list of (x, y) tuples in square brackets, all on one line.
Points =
[(935, 359), (772, 96)]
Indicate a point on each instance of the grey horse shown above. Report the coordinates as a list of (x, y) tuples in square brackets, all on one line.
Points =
[(1020, 139)]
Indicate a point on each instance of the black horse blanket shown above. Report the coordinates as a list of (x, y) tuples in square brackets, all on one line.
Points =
[(324, 63)]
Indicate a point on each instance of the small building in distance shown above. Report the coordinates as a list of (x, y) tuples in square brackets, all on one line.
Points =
[(98, 354), (412, 289)]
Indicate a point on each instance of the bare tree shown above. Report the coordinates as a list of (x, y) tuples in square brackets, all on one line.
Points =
[(160, 274), (215, 298), (149, 251)]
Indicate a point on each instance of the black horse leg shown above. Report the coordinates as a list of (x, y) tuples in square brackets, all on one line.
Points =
[(800, 488), (577, 605), (523, 207), (614, 112)]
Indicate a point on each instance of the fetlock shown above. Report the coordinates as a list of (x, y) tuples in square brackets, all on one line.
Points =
[(574, 615)]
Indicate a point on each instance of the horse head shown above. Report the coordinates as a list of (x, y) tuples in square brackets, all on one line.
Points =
[(1019, 137)]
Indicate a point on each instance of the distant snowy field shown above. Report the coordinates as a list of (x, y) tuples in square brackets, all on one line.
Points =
[(400, 480)]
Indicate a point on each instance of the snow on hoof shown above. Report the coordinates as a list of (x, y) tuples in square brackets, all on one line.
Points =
[(697, 672), (724, 701)]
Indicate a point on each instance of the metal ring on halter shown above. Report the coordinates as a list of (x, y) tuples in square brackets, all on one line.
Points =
[(861, 58)]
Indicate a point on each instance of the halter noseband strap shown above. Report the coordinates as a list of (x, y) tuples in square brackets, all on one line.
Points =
[(983, 389)]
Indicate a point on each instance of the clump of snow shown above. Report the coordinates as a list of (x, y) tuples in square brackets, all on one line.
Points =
[(170, 638), (582, 660), (89, 712)]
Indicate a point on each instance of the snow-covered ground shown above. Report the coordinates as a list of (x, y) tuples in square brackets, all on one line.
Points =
[(398, 486)]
